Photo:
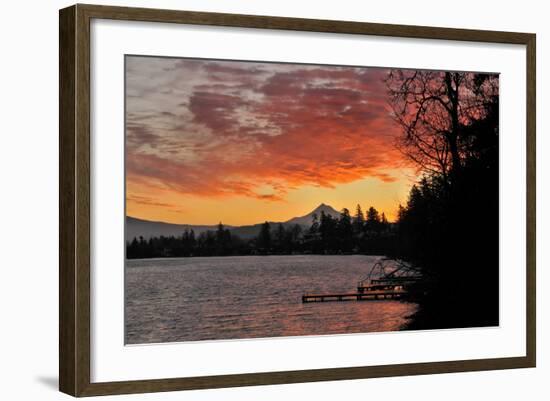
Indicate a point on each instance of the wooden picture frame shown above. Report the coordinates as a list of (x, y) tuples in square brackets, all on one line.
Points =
[(74, 204)]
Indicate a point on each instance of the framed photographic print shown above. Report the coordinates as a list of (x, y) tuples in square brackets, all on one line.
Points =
[(250, 200)]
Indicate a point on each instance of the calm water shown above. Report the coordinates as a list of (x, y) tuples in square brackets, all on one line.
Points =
[(187, 299)]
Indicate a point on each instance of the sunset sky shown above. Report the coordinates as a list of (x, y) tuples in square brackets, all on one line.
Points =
[(245, 142)]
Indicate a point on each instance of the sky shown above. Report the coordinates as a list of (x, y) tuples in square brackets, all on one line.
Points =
[(211, 141)]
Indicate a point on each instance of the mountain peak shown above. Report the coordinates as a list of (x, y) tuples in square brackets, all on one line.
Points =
[(325, 208), (308, 218)]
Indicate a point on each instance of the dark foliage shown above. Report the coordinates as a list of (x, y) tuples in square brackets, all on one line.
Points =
[(450, 225), (326, 235)]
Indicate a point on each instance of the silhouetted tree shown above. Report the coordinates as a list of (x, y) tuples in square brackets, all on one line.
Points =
[(294, 238), (188, 243), (314, 228), (223, 241), (433, 108), (264, 238), (450, 130), (384, 222), (358, 221), (345, 231), (372, 223), (281, 239), (328, 233)]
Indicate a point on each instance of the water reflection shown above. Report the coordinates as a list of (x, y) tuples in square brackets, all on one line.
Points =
[(190, 299)]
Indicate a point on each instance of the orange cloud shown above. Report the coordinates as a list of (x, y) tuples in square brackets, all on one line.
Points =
[(257, 130)]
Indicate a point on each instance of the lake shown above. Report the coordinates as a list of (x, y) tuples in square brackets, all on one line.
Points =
[(213, 298)]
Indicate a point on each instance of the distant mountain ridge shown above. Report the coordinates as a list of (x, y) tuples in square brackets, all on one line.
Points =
[(138, 227)]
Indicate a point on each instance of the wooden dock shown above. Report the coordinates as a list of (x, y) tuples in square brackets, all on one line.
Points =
[(378, 285), (356, 296)]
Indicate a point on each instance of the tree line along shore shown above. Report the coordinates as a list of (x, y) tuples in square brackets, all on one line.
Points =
[(368, 233)]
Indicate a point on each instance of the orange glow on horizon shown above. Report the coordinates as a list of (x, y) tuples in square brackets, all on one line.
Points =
[(172, 207)]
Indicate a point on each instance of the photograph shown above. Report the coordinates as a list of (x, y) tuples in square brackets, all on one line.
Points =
[(270, 199)]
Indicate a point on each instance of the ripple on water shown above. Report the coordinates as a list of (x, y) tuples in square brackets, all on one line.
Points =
[(212, 298)]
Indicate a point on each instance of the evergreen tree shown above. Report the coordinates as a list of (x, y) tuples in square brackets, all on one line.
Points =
[(345, 231), (294, 237), (372, 224), (280, 238), (384, 224), (359, 220), (328, 233), (223, 240), (314, 228), (264, 238)]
